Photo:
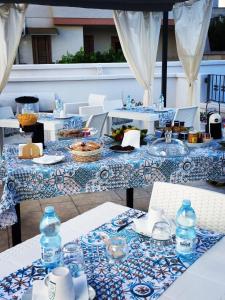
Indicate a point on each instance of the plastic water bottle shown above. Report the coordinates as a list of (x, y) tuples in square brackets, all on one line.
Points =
[(185, 230), (128, 102), (58, 104), (161, 102), (50, 239)]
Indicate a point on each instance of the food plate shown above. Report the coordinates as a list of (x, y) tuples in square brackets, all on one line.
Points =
[(48, 159), (120, 149), (91, 293)]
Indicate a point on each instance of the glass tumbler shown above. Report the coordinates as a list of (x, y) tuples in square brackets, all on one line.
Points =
[(161, 237), (117, 249), (72, 258)]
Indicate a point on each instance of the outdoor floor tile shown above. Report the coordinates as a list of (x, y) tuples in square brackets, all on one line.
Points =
[(96, 198), (30, 225), (59, 199), (65, 210), (3, 240)]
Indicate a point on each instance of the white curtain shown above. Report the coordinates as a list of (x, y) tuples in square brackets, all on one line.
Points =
[(191, 27), (139, 35), (11, 25)]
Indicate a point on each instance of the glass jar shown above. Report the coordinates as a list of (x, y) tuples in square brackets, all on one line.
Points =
[(182, 127), (27, 109), (193, 137), (176, 127)]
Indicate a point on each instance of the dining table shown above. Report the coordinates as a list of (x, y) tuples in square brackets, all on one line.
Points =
[(142, 274), (23, 179)]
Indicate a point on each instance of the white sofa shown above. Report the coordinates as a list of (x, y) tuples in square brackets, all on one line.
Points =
[(46, 100)]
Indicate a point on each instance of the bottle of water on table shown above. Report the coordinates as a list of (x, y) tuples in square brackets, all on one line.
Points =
[(185, 230), (128, 102), (58, 104), (50, 239), (161, 102)]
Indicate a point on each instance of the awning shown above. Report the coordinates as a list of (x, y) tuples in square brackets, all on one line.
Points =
[(136, 5), (42, 31)]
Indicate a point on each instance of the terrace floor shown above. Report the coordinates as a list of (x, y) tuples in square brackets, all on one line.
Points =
[(68, 207)]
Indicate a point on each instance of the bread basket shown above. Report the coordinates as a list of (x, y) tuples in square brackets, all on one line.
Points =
[(91, 152)]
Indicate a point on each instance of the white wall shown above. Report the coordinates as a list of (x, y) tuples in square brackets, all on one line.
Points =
[(74, 82), (69, 39)]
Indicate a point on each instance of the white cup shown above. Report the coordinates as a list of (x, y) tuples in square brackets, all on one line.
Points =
[(60, 284)]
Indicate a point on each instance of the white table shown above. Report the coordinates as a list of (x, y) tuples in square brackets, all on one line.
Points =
[(204, 280), (147, 118)]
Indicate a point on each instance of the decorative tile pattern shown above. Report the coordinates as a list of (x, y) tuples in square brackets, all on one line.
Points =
[(144, 273)]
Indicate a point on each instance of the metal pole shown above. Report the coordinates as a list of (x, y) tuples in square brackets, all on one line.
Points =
[(164, 54)]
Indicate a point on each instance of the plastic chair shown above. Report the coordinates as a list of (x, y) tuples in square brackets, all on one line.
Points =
[(209, 206), (73, 108), (96, 100), (90, 110), (186, 114), (97, 122)]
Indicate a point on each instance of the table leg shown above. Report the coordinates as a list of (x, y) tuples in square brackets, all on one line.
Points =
[(16, 228), (130, 197), (1, 139)]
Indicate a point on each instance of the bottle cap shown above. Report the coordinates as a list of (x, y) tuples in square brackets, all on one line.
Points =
[(49, 209), (186, 202)]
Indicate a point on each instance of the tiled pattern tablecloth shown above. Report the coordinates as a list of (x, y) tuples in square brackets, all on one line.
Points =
[(26, 180), (145, 273)]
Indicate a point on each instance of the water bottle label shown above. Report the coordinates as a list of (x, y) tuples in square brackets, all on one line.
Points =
[(50, 255), (185, 246)]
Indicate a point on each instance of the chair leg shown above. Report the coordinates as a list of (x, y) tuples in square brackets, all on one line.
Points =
[(16, 228), (130, 197)]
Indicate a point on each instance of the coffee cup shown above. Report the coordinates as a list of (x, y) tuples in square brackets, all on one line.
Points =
[(60, 284)]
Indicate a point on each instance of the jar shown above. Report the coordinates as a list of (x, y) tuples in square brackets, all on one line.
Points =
[(183, 135), (176, 126), (192, 137), (182, 127), (200, 137)]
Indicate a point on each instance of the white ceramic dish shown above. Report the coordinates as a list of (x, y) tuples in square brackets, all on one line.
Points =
[(62, 118), (48, 159), (91, 292)]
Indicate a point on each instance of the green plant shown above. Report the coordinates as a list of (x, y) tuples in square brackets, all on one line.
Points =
[(95, 57), (216, 33)]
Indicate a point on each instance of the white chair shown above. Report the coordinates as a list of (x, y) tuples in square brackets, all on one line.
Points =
[(90, 110), (209, 206), (73, 108), (97, 122), (186, 114), (96, 100)]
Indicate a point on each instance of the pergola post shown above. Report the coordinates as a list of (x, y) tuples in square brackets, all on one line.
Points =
[(164, 55)]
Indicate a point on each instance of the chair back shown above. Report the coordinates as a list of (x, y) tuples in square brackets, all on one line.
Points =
[(73, 108), (90, 110), (96, 100), (97, 122), (209, 206), (186, 114), (6, 112)]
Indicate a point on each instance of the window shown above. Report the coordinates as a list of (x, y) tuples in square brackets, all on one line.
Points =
[(88, 44), (42, 50), (115, 43)]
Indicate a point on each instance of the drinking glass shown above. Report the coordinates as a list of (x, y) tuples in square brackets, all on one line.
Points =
[(117, 249), (72, 258), (161, 236)]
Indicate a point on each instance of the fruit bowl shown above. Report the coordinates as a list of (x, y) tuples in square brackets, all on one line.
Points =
[(118, 133)]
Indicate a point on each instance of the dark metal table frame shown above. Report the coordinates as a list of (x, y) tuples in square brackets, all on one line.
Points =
[(16, 228)]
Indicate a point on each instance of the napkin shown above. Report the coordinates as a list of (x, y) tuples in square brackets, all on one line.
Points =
[(48, 159), (132, 138), (39, 290)]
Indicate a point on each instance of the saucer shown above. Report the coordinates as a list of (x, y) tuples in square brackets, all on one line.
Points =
[(91, 293), (48, 159)]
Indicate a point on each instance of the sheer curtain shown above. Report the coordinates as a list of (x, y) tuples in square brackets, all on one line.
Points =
[(139, 35), (191, 27), (11, 25)]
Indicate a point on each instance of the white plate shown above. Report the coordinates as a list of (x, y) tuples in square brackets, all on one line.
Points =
[(62, 118), (91, 293), (48, 159)]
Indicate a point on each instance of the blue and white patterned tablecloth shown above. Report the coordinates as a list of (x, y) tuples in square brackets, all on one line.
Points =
[(73, 122), (145, 273), (25, 180), (164, 116)]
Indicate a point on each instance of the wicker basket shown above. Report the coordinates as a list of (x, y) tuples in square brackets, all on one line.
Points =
[(86, 156), (27, 119)]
